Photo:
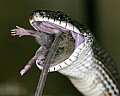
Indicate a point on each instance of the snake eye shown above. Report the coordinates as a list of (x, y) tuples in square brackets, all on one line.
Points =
[(61, 16)]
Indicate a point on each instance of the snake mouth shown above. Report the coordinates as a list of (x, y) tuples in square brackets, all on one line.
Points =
[(71, 44)]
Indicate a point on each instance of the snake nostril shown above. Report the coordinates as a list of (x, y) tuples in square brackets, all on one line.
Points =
[(31, 17)]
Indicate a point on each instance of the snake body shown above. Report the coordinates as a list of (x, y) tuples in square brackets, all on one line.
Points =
[(89, 67)]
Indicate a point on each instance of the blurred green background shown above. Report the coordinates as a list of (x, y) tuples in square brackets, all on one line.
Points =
[(102, 16)]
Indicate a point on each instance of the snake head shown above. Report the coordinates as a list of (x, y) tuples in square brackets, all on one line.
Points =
[(76, 34)]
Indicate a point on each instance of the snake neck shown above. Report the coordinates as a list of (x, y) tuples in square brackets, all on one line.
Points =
[(88, 75), (81, 66)]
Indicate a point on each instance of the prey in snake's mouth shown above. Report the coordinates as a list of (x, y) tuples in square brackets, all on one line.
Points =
[(47, 25)]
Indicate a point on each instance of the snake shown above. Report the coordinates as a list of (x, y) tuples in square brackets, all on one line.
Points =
[(87, 65)]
